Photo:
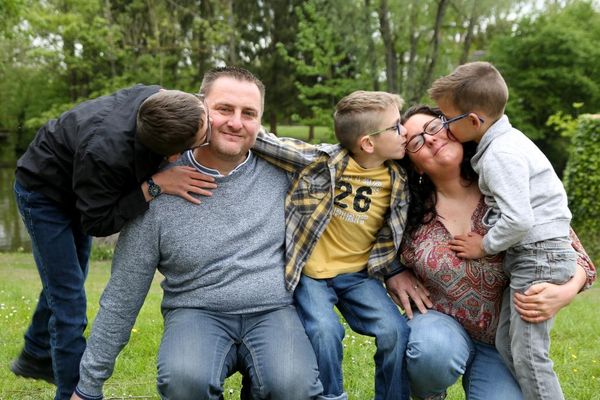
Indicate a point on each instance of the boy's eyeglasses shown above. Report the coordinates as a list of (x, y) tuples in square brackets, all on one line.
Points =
[(432, 128), (447, 122), (397, 126)]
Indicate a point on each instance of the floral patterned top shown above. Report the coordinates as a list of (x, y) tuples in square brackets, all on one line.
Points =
[(470, 291)]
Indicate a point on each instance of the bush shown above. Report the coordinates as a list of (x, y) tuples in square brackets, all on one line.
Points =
[(582, 182)]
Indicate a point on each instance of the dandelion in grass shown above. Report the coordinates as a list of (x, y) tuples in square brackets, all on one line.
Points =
[(134, 330), (573, 356)]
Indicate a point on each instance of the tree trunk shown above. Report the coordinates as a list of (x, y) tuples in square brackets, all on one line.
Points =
[(371, 43), (435, 44), (273, 122), (110, 53), (311, 133), (232, 56), (411, 75), (464, 57), (391, 58)]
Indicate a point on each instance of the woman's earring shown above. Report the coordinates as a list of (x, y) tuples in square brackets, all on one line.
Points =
[(420, 179)]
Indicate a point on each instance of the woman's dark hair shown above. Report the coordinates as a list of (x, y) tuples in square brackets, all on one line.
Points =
[(421, 209)]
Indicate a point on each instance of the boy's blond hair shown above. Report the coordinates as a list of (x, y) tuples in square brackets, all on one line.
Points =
[(358, 114), (473, 86)]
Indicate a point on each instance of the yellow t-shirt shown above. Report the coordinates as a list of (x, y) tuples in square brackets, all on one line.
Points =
[(362, 199)]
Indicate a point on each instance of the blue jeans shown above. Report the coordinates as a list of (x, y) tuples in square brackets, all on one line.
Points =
[(61, 251), (523, 345), (440, 351), (199, 349), (364, 303)]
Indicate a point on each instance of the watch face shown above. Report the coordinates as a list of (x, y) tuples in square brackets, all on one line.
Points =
[(154, 190)]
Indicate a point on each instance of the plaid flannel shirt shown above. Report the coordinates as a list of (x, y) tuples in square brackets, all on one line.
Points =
[(309, 204)]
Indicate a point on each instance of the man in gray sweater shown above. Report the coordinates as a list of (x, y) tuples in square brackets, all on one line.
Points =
[(225, 304)]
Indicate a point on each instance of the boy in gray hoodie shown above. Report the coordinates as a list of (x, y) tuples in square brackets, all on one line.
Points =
[(528, 214)]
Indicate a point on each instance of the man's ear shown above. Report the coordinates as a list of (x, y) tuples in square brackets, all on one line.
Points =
[(366, 144)]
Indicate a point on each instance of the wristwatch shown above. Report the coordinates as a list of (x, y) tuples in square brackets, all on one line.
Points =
[(153, 188)]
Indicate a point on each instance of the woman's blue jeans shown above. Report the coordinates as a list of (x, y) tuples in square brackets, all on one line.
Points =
[(440, 351), (364, 303), (200, 348), (61, 251)]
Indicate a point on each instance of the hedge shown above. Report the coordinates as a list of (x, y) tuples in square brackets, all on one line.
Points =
[(582, 182)]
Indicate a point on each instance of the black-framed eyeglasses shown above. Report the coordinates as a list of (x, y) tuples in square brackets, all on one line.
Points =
[(397, 126), (430, 128), (447, 122)]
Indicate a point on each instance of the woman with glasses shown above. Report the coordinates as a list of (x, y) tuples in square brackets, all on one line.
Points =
[(456, 335)]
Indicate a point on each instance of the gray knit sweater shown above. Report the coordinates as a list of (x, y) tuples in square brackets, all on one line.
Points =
[(528, 202), (224, 255)]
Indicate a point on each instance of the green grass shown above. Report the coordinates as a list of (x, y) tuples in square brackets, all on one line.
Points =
[(575, 347), (322, 133)]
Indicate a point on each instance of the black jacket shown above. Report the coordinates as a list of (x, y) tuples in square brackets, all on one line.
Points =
[(90, 162)]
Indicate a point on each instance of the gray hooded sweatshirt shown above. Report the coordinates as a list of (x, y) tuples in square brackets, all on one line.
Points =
[(527, 200)]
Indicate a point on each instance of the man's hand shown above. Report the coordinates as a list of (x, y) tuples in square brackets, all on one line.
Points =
[(468, 246), (75, 397), (543, 300), (182, 181), (405, 286)]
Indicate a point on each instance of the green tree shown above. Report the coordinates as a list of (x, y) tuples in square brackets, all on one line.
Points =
[(550, 63), (327, 58)]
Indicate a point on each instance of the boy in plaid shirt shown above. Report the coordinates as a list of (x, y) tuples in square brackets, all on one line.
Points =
[(345, 216)]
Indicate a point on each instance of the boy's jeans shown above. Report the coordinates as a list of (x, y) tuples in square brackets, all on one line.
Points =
[(364, 303), (61, 251), (523, 345), (440, 350)]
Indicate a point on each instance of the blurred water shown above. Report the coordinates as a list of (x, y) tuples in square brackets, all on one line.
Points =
[(13, 235)]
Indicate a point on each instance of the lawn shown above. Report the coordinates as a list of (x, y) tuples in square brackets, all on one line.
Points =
[(322, 134), (575, 348)]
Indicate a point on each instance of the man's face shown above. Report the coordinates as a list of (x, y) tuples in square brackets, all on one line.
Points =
[(235, 110)]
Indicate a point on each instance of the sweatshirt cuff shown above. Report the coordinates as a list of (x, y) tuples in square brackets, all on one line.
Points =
[(86, 396)]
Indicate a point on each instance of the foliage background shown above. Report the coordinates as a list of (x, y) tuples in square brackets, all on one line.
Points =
[(309, 53)]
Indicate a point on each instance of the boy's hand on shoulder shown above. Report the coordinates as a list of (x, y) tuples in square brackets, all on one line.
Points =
[(469, 246), (183, 180)]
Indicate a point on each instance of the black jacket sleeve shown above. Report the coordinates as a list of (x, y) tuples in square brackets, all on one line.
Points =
[(107, 195)]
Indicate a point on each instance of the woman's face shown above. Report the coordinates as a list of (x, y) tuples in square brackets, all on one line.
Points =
[(438, 155)]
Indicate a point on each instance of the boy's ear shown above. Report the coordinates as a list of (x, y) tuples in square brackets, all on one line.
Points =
[(476, 120), (366, 144)]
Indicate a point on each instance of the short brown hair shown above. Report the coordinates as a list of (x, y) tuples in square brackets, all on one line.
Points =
[(241, 74), (357, 114), (473, 86), (168, 121)]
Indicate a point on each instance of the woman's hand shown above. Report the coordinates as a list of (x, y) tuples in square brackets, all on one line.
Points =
[(405, 286), (542, 301)]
